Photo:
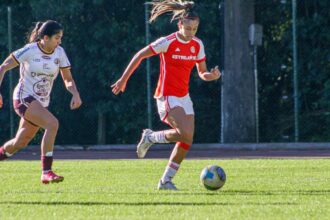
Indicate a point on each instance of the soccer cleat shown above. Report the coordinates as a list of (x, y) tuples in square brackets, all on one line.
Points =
[(144, 144), (51, 177), (3, 155), (166, 186)]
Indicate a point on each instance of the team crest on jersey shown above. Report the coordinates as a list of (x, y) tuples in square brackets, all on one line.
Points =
[(57, 61), (192, 49)]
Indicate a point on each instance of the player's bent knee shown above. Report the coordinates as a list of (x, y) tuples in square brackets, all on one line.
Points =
[(186, 136), (184, 146), (53, 124)]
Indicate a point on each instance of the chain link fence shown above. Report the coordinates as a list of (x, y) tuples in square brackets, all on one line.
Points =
[(101, 37), (276, 70)]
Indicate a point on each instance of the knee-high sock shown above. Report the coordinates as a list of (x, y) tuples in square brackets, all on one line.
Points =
[(170, 171), (46, 163)]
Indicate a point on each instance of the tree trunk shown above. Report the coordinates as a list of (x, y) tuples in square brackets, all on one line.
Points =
[(238, 79)]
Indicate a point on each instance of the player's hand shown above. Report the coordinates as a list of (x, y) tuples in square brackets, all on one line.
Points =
[(75, 102), (1, 102), (215, 73), (119, 86)]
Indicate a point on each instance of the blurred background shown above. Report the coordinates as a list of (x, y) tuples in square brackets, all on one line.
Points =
[(100, 38)]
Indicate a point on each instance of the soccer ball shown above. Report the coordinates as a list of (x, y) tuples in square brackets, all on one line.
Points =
[(213, 177)]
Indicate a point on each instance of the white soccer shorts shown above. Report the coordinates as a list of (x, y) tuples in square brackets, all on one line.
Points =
[(166, 103)]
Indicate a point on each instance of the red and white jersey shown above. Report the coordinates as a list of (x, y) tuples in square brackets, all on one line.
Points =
[(38, 70), (177, 59)]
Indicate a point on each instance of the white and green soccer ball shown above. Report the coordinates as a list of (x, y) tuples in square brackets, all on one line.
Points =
[(213, 177)]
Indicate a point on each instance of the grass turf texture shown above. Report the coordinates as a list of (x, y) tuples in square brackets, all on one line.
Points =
[(126, 189)]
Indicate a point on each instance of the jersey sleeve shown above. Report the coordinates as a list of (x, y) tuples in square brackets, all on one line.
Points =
[(22, 54), (64, 61), (160, 45), (201, 54)]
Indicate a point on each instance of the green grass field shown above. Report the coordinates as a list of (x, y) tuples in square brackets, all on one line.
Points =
[(126, 189)]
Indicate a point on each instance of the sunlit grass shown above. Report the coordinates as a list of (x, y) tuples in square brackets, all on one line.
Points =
[(126, 189)]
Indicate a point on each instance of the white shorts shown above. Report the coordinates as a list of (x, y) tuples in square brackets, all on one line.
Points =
[(166, 103)]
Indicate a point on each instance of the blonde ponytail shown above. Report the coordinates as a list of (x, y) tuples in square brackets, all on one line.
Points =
[(180, 9)]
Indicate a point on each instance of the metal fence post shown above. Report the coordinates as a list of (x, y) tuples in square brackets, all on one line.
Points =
[(148, 69), (295, 72), (11, 113)]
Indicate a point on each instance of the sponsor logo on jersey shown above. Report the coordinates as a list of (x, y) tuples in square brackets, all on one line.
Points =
[(42, 87), (177, 50), (36, 60), (182, 57), (45, 66), (46, 57), (21, 52), (192, 49), (34, 74)]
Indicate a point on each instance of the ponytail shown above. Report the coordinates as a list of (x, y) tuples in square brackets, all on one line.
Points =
[(41, 29), (33, 36), (181, 9)]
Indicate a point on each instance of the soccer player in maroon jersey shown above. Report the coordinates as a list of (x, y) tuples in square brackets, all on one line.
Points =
[(179, 52), (40, 62)]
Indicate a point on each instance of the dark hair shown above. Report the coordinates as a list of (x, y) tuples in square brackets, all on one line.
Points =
[(41, 29), (181, 9)]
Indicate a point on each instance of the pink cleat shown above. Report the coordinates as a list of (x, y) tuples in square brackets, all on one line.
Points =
[(51, 177)]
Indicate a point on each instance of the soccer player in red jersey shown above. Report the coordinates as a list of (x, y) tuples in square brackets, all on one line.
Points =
[(40, 62), (179, 52)]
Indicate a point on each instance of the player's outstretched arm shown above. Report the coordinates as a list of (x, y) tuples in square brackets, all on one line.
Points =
[(120, 84), (8, 64), (206, 75), (71, 87)]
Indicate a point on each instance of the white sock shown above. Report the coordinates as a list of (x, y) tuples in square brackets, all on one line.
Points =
[(49, 154), (170, 171), (158, 137), (8, 154)]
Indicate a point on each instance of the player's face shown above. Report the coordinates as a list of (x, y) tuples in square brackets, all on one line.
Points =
[(55, 40), (188, 28)]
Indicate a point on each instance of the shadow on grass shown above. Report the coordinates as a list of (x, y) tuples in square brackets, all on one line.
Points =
[(189, 193), (147, 203), (261, 193), (277, 192)]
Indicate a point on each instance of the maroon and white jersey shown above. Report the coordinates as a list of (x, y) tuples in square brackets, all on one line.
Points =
[(38, 70)]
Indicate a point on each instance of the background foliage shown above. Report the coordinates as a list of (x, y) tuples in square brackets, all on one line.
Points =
[(101, 37), (276, 74)]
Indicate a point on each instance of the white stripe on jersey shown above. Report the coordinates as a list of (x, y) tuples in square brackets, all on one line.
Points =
[(164, 72)]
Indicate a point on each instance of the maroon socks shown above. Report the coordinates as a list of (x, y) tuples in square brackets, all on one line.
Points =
[(46, 163)]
